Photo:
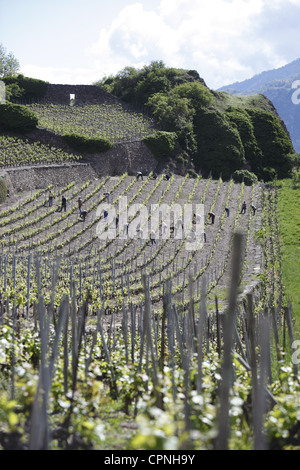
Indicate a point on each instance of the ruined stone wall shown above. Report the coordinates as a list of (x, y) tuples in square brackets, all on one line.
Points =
[(84, 94), (130, 156)]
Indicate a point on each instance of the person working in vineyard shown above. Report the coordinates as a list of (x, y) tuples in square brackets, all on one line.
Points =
[(107, 196), (196, 218), (63, 204), (139, 175), (83, 214), (253, 209), (212, 217), (152, 237), (244, 208), (79, 204), (178, 226), (125, 229), (50, 199), (140, 233)]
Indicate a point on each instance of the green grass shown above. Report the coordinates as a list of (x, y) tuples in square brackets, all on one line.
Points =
[(224, 100), (289, 226)]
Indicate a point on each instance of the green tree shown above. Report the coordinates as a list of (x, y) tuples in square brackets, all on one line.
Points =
[(274, 143), (175, 114), (9, 65), (241, 120), (220, 148)]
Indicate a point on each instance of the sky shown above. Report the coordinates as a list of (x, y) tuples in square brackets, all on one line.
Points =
[(82, 41)]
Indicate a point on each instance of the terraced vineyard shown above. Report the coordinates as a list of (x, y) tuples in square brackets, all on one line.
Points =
[(116, 122), (34, 228), (96, 331), (15, 151)]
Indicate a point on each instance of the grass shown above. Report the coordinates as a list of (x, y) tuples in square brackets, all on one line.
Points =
[(225, 100), (289, 227)]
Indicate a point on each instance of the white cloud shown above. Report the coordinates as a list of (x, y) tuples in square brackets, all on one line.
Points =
[(224, 40), (218, 38), (61, 75)]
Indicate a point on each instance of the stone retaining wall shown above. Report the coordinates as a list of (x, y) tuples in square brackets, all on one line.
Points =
[(25, 178)]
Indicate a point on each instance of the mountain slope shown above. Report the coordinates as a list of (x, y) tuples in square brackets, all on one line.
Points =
[(280, 86)]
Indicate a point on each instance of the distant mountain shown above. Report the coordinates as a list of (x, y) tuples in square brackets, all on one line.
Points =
[(277, 85)]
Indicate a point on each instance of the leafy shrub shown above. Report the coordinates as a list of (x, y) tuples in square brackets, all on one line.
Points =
[(220, 149), (162, 144), (247, 176), (25, 87), (3, 189), (274, 143), (241, 120), (17, 117), (87, 144)]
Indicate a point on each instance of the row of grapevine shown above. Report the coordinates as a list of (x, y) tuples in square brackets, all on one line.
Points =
[(156, 332), (19, 152), (113, 122)]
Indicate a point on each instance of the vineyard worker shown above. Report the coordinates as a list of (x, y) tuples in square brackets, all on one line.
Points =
[(244, 207), (139, 175), (107, 196), (152, 237), (196, 218), (227, 211), (125, 229), (83, 214), (212, 217), (140, 232), (79, 204), (179, 224), (63, 204), (50, 200), (253, 209)]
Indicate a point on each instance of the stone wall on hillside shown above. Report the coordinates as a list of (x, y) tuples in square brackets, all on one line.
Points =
[(123, 157), (41, 176), (84, 94), (127, 157)]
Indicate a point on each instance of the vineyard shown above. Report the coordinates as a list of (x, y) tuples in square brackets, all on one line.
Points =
[(114, 122), (15, 151), (122, 343)]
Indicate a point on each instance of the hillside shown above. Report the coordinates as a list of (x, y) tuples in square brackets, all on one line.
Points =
[(216, 134), (179, 123), (143, 312), (277, 85)]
